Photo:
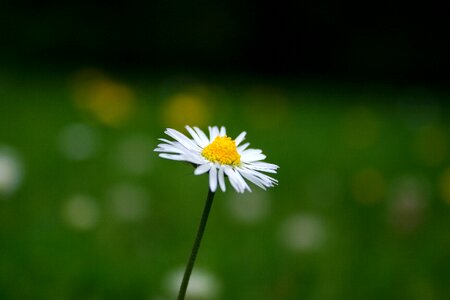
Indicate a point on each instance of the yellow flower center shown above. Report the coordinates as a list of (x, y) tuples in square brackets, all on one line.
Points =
[(222, 150)]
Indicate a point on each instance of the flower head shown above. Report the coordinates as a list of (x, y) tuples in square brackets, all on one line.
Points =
[(220, 156)]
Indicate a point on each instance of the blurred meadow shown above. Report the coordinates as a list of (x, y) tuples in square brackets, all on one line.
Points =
[(355, 116), (88, 211)]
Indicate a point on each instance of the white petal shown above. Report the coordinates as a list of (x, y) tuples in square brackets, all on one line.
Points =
[(166, 141), (202, 169), (172, 156), (213, 179), (261, 166), (240, 138), (236, 180), (267, 180), (241, 148), (213, 133), (194, 158), (170, 149), (192, 132), (202, 136), (251, 156), (184, 140), (221, 180), (265, 165), (223, 131), (216, 131), (252, 151), (242, 182), (253, 179), (196, 137), (173, 143), (232, 178)]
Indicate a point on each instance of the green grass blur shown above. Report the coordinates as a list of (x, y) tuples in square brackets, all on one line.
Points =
[(361, 210)]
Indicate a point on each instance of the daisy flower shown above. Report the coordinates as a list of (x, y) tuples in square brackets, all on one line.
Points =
[(220, 156)]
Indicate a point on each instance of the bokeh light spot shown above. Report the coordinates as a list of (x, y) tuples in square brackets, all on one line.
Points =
[(81, 212), (249, 208), (186, 108), (10, 171), (203, 285), (128, 202), (303, 232), (110, 102), (78, 141), (407, 207), (132, 155)]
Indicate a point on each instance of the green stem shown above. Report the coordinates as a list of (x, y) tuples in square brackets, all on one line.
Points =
[(196, 246)]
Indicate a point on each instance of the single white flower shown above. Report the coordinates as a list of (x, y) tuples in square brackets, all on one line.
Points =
[(220, 156)]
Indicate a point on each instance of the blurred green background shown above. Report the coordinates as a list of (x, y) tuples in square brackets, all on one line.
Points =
[(356, 116)]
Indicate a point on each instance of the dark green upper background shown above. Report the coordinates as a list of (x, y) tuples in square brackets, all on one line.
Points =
[(322, 39)]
